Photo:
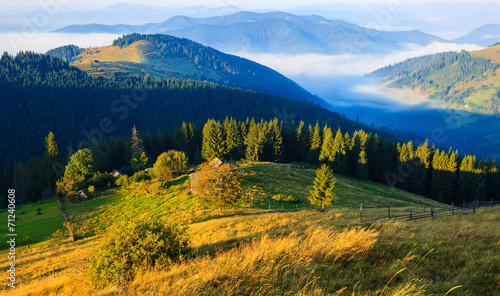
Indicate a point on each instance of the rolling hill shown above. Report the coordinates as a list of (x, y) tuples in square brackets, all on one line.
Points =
[(165, 56), (272, 32), (468, 81)]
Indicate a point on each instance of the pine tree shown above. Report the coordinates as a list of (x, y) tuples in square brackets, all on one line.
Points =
[(493, 181), (234, 141), (353, 152), (301, 142), (373, 154), (326, 153), (362, 166), (277, 141), (214, 140), (52, 167), (316, 143), (324, 185), (255, 142), (136, 141)]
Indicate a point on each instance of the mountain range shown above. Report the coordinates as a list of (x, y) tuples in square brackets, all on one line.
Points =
[(485, 35), (274, 32)]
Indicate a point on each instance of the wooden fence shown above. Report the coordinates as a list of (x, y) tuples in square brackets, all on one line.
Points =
[(426, 212)]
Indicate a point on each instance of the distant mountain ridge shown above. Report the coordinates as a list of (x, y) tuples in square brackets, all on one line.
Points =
[(274, 32), (485, 35), (166, 56)]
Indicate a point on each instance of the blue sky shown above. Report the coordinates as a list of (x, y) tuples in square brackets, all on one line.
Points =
[(30, 5)]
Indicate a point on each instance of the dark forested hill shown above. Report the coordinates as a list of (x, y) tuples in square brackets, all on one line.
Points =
[(41, 93), (166, 56), (274, 32)]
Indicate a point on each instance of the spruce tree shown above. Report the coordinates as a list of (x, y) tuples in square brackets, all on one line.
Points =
[(324, 185), (52, 167), (326, 153), (316, 142), (362, 166), (136, 141), (301, 142), (214, 140), (277, 141), (234, 140), (255, 142)]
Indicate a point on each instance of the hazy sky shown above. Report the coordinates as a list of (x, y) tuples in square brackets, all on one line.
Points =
[(30, 5)]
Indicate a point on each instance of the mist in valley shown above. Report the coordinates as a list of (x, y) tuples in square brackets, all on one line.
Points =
[(341, 81)]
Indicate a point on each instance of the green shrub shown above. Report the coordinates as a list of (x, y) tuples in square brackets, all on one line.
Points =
[(163, 173), (175, 161), (285, 198), (160, 187), (99, 181), (123, 181), (131, 246), (139, 176)]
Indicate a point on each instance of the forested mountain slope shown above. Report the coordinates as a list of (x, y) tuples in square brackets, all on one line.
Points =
[(465, 81), (41, 93), (166, 56)]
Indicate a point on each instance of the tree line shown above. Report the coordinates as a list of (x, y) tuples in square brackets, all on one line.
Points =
[(442, 175)]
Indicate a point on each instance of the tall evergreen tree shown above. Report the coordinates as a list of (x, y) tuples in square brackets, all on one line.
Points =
[(52, 166), (362, 165), (316, 143), (255, 142), (214, 140), (234, 141), (136, 141), (277, 141), (324, 185), (301, 142)]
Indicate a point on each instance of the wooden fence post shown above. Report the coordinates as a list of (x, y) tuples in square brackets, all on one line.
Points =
[(361, 213), (410, 214), (432, 211), (474, 208), (389, 208)]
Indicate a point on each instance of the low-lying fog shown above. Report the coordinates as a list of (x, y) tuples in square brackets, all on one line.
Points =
[(341, 81)]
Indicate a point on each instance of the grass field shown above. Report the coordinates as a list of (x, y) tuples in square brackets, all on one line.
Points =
[(247, 250), (37, 227)]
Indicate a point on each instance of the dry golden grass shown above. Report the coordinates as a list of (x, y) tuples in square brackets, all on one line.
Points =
[(52, 269), (264, 266)]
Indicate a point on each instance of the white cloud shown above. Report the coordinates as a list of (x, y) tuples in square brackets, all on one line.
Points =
[(347, 64), (42, 42)]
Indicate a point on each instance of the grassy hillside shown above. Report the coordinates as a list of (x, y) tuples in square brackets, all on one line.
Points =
[(468, 81), (250, 251), (260, 183), (32, 227)]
